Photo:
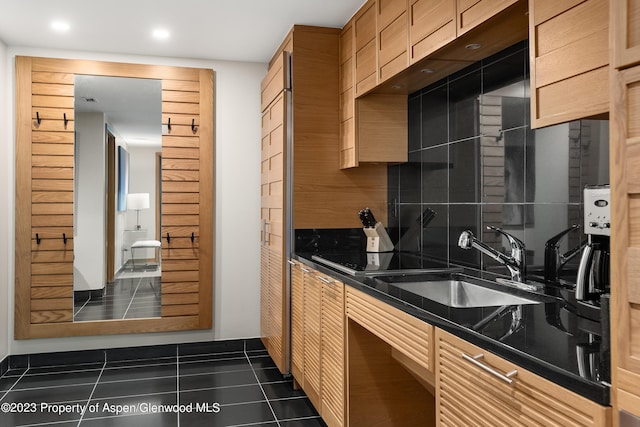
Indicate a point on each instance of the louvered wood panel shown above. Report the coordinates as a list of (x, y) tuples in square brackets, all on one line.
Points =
[(272, 208), (402, 331), (312, 339), (52, 189), (625, 236), (297, 321), (468, 395), (333, 353), (182, 217)]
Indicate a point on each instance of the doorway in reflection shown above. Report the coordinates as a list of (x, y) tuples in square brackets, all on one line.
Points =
[(117, 253)]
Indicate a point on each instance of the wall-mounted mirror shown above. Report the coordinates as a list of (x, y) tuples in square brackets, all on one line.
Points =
[(117, 248), (108, 207)]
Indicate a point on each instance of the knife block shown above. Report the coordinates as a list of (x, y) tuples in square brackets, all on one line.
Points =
[(377, 239)]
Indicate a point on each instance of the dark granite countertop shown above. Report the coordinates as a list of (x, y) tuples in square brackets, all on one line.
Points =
[(548, 339)]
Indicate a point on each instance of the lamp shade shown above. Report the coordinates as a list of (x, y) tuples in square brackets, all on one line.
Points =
[(136, 201)]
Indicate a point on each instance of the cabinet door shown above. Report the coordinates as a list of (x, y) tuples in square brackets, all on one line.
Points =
[(297, 321), (272, 213), (393, 38), (333, 373), (348, 146), (569, 47), (473, 12), (474, 387), (432, 24), (625, 237), (364, 34), (312, 340), (625, 20)]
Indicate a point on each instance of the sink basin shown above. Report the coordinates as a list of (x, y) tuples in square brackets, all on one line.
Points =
[(461, 294)]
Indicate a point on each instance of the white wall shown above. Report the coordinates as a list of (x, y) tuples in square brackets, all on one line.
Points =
[(89, 233), (237, 198), (6, 200)]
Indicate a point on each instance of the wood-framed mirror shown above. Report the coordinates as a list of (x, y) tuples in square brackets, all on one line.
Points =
[(46, 199)]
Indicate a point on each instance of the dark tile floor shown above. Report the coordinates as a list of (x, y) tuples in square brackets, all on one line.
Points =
[(133, 294), (239, 388)]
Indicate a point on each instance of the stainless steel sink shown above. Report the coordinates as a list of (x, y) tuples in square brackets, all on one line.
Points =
[(461, 294)]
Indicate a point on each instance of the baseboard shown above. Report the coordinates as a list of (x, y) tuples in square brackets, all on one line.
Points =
[(24, 361)]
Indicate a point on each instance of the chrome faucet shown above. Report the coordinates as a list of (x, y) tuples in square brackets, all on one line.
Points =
[(516, 262)]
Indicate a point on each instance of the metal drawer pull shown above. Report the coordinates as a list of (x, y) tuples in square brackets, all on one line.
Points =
[(305, 270), (325, 280), (476, 361), (291, 262)]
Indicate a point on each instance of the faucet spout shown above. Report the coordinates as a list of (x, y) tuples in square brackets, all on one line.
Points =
[(515, 263)]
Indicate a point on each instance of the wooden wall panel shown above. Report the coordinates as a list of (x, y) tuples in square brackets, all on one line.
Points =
[(44, 196), (180, 214), (52, 186)]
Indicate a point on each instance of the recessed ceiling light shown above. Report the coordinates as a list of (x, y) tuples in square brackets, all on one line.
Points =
[(161, 34), (427, 70), (60, 26), (473, 46)]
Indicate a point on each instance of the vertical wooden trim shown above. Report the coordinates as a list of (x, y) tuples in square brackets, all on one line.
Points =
[(207, 197), (23, 199)]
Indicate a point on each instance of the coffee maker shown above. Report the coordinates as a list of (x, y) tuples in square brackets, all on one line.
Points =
[(592, 282)]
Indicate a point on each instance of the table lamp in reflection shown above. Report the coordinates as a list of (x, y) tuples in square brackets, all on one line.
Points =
[(137, 201)]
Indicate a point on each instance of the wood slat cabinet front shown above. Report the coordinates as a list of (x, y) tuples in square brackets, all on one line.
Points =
[(373, 128), (432, 24), (625, 20), (365, 52), (473, 389), (272, 213), (472, 13), (569, 51), (625, 238), (392, 27), (317, 348)]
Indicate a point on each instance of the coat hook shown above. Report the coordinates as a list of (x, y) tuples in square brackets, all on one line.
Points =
[(169, 123), (168, 238), (64, 238), (193, 237), (193, 125), (65, 120), (38, 119), (37, 238)]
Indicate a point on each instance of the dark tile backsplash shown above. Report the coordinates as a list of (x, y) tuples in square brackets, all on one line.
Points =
[(475, 161)]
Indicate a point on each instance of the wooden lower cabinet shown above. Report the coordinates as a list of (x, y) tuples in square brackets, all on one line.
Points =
[(469, 394), (389, 365), (317, 341)]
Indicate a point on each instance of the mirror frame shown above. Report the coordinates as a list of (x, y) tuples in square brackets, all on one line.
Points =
[(42, 308)]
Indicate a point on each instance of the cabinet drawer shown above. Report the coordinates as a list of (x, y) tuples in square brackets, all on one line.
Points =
[(475, 387), (405, 333)]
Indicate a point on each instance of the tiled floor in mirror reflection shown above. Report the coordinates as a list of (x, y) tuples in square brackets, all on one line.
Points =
[(216, 389)]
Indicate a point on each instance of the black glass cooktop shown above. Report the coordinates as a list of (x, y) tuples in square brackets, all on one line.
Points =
[(370, 263)]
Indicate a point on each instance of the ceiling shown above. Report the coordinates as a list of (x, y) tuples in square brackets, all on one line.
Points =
[(238, 30)]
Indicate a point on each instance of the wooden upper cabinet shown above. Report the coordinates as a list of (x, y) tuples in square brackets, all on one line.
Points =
[(348, 146), (569, 51), (432, 24), (365, 54), (625, 18), (393, 37), (625, 238), (473, 12)]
